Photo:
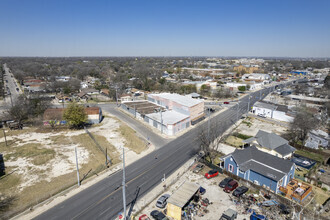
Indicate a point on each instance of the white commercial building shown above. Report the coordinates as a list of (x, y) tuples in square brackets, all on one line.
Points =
[(277, 112)]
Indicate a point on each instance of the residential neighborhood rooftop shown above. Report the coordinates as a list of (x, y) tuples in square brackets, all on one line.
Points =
[(261, 162)]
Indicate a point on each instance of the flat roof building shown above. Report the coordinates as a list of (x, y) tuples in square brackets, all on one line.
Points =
[(194, 108)]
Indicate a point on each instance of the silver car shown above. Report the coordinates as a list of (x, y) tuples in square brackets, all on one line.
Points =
[(162, 201)]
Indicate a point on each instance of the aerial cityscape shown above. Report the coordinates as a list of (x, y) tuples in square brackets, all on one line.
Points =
[(165, 110)]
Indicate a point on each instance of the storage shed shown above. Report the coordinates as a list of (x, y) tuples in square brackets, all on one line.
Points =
[(180, 198)]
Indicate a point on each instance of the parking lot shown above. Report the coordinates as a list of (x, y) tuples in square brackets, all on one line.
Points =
[(219, 201)]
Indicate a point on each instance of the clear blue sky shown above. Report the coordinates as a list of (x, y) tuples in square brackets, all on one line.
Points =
[(165, 28)]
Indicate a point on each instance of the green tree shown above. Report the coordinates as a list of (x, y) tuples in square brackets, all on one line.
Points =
[(75, 115), (205, 89), (242, 88)]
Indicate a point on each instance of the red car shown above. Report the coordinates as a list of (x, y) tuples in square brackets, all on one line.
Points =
[(226, 103), (230, 186), (144, 217), (211, 174)]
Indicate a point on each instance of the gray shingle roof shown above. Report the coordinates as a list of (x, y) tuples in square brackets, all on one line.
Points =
[(269, 140), (266, 164), (285, 149)]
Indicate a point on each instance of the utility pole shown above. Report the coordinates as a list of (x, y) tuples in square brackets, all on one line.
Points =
[(208, 125), (77, 166), (135, 110), (124, 194), (116, 97), (161, 121), (4, 134)]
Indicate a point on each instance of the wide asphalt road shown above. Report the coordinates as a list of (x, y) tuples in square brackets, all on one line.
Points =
[(103, 200)]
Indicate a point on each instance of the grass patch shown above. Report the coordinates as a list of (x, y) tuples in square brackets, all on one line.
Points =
[(31, 150), (60, 140), (249, 124), (132, 141), (314, 156), (96, 155), (15, 132), (234, 141), (9, 182), (320, 195), (242, 136)]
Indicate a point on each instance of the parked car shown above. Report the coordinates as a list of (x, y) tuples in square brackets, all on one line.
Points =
[(202, 191), (225, 181), (144, 217), (261, 115), (229, 214), (239, 191), (211, 174), (158, 215), (226, 103), (198, 168), (162, 201), (230, 186)]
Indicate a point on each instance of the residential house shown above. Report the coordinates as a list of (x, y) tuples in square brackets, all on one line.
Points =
[(126, 98), (272, 144), (82, 96), (259, 167), (317, 138), (55, 115), (268, 110), (90, 91), (62, 78)]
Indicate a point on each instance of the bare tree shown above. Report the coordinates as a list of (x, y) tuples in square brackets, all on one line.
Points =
[(303, 122), (210, 140)]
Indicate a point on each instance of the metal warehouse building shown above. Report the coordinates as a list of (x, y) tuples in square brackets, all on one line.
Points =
[(194, 108)]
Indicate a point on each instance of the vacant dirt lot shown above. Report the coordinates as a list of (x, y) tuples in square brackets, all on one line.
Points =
[(41, 162), (251, 126)]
